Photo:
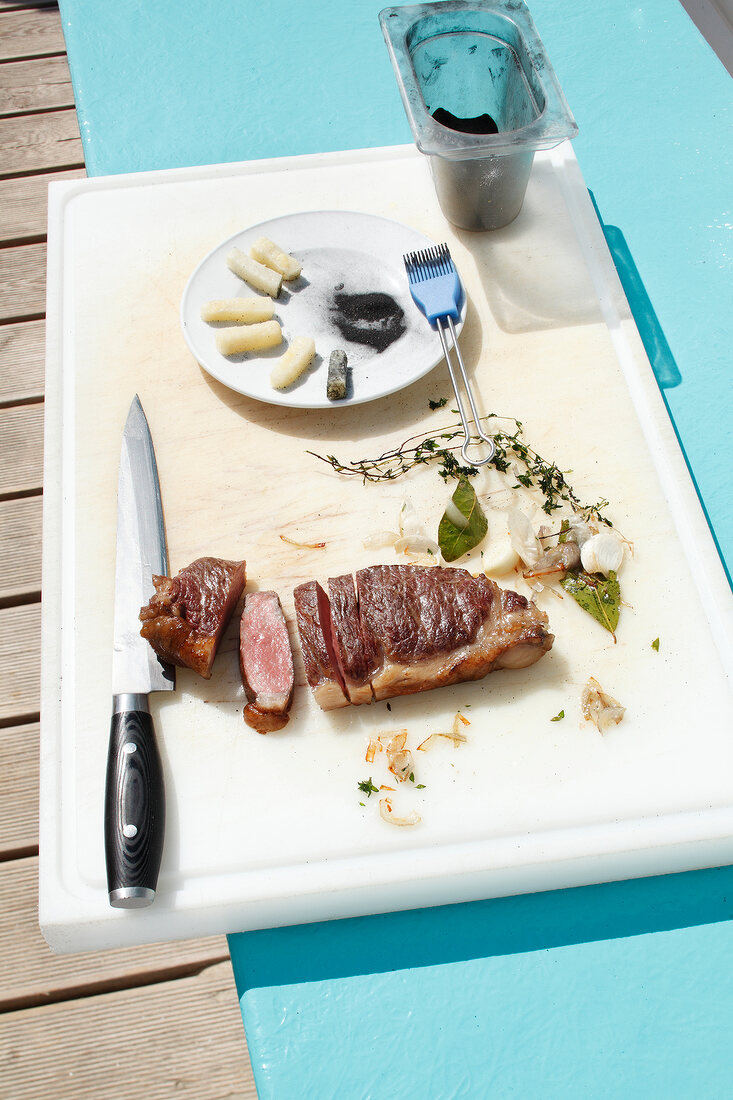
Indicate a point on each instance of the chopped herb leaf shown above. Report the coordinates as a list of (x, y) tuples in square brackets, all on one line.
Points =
[(655, 645), (558, 717), (439, 403), (412, 777), (367, 787), (420, 787)]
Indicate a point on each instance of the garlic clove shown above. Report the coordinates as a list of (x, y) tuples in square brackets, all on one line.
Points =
[(603, 553)]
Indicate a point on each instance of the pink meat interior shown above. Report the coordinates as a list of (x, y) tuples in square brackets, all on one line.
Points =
[(266, 644)]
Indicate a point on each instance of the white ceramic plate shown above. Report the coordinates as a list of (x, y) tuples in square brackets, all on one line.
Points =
[(341, 252)]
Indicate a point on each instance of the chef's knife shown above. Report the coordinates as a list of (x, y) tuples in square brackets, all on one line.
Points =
[(134, 813)]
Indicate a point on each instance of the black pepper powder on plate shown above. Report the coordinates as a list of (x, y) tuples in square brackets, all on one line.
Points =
[(373, 318)]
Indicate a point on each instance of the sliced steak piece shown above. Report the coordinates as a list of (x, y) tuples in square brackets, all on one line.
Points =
[(266, 662), (313, 615), (433, 626), (188, 613), (356, 655)]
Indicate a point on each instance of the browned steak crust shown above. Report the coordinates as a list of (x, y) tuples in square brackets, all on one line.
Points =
[(188, 613), (322, 671), (355, 651), (433, 627), (412, 612)]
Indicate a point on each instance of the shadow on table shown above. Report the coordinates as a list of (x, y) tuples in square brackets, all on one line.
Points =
[(501, 926)]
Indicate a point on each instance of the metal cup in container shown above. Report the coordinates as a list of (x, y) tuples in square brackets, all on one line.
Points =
[(482, 66)]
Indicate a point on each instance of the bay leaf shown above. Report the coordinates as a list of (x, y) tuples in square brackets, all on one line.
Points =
[(599, 596), (456, 539)]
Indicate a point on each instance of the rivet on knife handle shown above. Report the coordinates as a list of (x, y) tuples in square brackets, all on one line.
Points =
[(134, 820)]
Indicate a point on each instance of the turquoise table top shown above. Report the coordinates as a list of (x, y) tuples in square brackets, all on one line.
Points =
[(619, 990)]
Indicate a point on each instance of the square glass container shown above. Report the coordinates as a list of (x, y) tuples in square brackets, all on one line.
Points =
[(473, 60)]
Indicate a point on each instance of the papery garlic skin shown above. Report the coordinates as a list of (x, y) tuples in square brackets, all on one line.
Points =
[(522, 537), (603, 553), (409, 520), (578, 530), (378, 540), (599, 707)]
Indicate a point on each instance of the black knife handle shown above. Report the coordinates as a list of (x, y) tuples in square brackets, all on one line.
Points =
[(134, 812)]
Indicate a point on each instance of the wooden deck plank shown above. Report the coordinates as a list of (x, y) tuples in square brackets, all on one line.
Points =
[(30, 33), (24, 205), (181, 1038), (20, 662), (20, 549), (22, 361), (21, 445), (38, 85), (18, 799), (30, 974), (39, 143), (22, 282)]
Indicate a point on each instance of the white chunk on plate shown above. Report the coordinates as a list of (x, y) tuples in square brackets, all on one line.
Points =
[(246, 311), (256, 274), (271, 255), (291, 365), (234, 341)]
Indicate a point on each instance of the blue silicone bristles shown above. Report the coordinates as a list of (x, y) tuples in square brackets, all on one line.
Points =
[(437, 291), (434, 283)]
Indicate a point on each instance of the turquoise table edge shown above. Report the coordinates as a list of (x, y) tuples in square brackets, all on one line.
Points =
[(620, 989)]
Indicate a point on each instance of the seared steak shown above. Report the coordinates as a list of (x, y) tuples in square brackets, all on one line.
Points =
[(188, 613), (409, 628), (266, 662), (322, 667), (358, 658), (433, 627)]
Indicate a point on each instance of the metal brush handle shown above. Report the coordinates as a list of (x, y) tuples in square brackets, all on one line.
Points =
[(442, 321)]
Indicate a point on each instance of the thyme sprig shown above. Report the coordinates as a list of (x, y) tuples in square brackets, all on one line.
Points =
[(439, 446), (418, 450)]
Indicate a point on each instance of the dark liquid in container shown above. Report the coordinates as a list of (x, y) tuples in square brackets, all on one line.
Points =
[(481, 124)]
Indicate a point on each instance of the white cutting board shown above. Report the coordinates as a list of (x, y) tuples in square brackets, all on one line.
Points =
[(269, 830)]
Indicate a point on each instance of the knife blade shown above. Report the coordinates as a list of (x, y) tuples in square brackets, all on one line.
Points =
[(134, 813)]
